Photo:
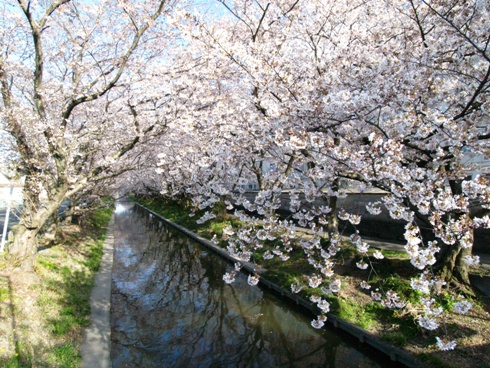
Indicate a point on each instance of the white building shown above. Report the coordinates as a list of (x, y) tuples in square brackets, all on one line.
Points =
[(10, 190), (478, 165)]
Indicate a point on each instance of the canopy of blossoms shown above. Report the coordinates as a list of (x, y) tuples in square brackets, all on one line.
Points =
[(295, 96)]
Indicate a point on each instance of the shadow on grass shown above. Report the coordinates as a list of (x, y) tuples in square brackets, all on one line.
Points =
[(7, 311), (451, 359)]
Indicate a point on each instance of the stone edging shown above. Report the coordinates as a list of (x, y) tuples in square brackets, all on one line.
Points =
[(96, 346), (364, 336)]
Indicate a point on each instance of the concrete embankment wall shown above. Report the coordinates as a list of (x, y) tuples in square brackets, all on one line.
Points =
[(381, 226)]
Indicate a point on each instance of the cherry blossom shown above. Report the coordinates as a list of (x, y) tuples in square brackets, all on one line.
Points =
[(445, 345)]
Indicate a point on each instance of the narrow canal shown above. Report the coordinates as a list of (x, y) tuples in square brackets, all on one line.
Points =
[(171, 308)]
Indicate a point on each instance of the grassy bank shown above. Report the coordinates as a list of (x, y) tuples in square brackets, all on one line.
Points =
[(43, 313)]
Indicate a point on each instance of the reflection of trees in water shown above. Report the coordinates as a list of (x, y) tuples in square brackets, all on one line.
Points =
[(171, 308)]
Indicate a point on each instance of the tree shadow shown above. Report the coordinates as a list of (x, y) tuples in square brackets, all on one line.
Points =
[(481, 283), (7, 312)]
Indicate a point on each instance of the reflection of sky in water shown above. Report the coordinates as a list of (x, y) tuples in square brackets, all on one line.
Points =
[(171, 308), (120, 208)]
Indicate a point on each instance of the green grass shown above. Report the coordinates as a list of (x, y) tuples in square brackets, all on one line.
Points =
[(67, 274), (434, 361), (4, 295), (66, 356), (178, 212)]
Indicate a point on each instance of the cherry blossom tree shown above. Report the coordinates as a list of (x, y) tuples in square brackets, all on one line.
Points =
[(76, 97), (390, 94)]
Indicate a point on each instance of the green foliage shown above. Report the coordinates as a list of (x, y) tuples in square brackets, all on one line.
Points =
[(66, 355), (94, 255), (433, 361), (393, 254), (174, 210), (100, 218), (47, 263), (401, 286), (388, 267), (13, 362), (288, 272), (4, 294), (355, 313), (395, 338), (178, 210), (73, 289), (219, 210)]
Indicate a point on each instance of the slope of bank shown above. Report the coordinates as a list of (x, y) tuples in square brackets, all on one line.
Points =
[(43, 313)]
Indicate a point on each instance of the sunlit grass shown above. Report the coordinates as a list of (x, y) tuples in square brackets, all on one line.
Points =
[(66, 272)]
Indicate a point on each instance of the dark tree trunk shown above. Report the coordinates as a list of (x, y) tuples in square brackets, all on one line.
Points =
[(454, 270), (24, 246), (333, 221), (34, 217)]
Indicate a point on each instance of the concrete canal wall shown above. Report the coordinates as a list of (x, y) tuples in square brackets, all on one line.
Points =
[(381, 226)]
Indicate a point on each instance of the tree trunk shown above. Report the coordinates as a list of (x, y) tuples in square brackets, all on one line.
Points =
[(34, 217), (333, 221), (454, 270), (24, 246)]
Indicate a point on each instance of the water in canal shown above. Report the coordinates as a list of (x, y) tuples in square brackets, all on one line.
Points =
[(171, 308)]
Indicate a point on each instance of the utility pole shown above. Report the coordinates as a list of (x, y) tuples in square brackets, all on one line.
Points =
[(6, 223)]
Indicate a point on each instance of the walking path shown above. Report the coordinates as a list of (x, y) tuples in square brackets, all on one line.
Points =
[(481, 283), (96, 347)]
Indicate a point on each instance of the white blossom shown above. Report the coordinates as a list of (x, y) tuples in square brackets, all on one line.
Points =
[(314, 281), (268, 255), (207, 216), (335, 286), (392, 300), (374, 208), (253, 279), (343, 215), (316, 323), (229, 277), (376, 295), (354, 219), (420, 285), (284, 257), (296, 288), (362, 265), (428, 323), (365, 285), (445, 345), (362, 247), (471, 260), (323, 305), (462, 307)]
